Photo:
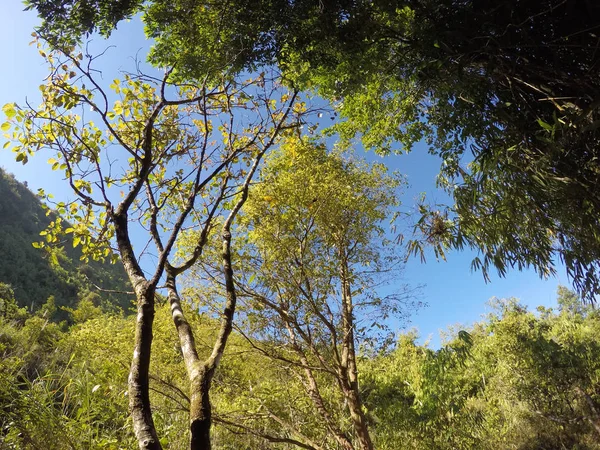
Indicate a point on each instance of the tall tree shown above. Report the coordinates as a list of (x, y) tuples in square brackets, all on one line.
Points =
[(162, 157), (507, 95), (201, 373), (315, 256)]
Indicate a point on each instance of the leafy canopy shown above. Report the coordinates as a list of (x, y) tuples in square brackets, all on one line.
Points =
[(505, 93)]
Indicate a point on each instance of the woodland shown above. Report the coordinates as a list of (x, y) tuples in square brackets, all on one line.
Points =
[(226, 273)]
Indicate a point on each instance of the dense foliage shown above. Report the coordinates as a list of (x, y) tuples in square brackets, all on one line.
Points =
[(518, 380), (506, 93)]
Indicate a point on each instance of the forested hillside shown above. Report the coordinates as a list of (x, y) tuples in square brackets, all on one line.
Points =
[(35, 275)]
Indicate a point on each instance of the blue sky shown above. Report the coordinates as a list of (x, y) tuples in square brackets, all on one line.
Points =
[(454, 294)]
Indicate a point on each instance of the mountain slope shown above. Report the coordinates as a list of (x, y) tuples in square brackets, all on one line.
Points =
[(27, 269)]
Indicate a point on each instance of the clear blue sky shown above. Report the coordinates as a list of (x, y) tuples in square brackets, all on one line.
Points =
[(454, 294)]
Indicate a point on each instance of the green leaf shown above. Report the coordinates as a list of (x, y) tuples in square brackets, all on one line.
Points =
[(9, 110), (545, 125)]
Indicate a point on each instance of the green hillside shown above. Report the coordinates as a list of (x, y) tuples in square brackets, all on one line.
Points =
[(28, 270)]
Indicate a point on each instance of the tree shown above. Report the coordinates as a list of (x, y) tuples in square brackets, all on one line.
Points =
[(315, 257), (515, 380), (201, 373), (9, 309), (506, 93), (570, 304), (163, 157)]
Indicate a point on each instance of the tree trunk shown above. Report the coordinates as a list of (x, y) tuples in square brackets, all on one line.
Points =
[(201, 374), (315, 396), (139, 382), (198, 374), (200, 410), (359, 420), (139, 379), (312, 388), (348, 370)]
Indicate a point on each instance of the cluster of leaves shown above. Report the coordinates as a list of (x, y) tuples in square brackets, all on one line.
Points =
[(66, 21), (312, 211), (507, 95), (216, 36)]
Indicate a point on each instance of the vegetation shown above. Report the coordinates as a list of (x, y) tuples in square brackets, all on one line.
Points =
[(516, 380), (258, 253), (505, 93), (35, 275), (315, 259), (187, 154)]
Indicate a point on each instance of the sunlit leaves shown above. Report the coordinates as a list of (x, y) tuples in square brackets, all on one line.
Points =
[(312, 210), (516, 379), (9, 110), (173, 136)]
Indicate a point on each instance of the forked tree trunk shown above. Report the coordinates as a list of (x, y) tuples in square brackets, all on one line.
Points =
[(198, 375), (201, 373), (139, 379)]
